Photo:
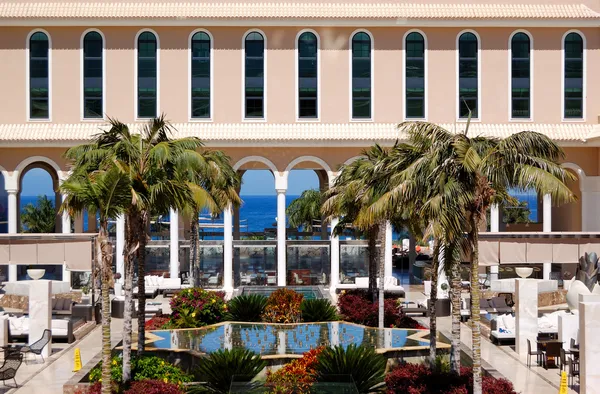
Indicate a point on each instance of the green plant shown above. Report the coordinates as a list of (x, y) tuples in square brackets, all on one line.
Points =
[(366, 367), (39, 217), (283, 306), (219, 367), (85, 290), (296, 377), (196, 307), (155, 386), (318, 310), (143, 368), (246, 308)]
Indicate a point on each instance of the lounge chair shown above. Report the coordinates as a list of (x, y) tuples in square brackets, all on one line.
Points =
[(485, 307), (8, 370), (532, 353), (39, 345), (499, 304)]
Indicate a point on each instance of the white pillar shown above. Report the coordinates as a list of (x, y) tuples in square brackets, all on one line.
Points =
[(568, 327), (228, 249), (334, 278), (40, 312), (547, 268), (547, 208), (66, 229), (13, 209), (589, 347), (494, 269), (173, 243), (495, 218), (281, 248), (387, 260), (526, 313), (120, 246)]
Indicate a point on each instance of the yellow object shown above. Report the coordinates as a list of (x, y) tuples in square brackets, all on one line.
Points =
[(563, 383), (77, 366)]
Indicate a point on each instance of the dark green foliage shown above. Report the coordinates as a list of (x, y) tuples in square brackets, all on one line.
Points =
[(318, 310), (39, 218), (218, 368), (366, 367), (246, 308)]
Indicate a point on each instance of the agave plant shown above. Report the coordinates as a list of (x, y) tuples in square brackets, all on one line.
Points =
[(246, 308), (218, 369), (318, 310), (587, 270), (366, 367)]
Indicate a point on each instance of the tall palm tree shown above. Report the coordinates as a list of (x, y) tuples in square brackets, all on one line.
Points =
[(304, 210), (105, 191)]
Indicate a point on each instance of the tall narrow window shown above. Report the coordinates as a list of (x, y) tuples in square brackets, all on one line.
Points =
[(573, 95), (39, 85), (147, 75), (92, 76), (255, 75), (468, 71), (520, 48), (200, 75), (307, 76), (361, 76), (415, 75)]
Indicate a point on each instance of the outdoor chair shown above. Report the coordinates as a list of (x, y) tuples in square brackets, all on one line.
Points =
[(499, 304), (530, 353), (214, 280), (563, 358), (572, 370), (8, 371), (39, 345), (573, 344), (297, 279), (484, 306), (552, 350)]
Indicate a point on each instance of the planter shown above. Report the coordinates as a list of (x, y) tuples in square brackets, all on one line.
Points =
[(36, 273), (524, 272)]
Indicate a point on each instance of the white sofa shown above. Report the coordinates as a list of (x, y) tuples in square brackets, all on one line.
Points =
[(155, 283), (18, 327), (503, 327), (390, 284)]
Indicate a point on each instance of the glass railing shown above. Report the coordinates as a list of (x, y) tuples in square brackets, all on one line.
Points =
[(308, 263), (157, 258), (354, 261), (254, 263), (211, 263)]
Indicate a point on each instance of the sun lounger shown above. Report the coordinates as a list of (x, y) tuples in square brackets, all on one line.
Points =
[(499, 304)]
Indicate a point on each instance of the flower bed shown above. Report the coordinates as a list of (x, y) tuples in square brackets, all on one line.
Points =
[(297, 376), (283, 306), (140, 387), (158, 323), (196, 307)]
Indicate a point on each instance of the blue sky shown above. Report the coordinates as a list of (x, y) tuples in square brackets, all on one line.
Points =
[(254, 183)]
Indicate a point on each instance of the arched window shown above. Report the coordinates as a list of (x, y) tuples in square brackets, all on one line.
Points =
[(254, 69), (307, 76), (147, 81), (93, 94), (468, 74), (201, 75), (520, 49), (573, 94), (39, 85), (361, 76), (414, 47)]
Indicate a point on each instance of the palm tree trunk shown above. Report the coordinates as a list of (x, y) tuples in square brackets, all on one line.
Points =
[(104, 254), (432, 300), (131, 224), (475, 296), (141, 258), (453, 258), (372, 246), (381, 254), (194, 250)]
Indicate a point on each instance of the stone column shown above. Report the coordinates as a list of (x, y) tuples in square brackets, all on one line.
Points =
[(228, 249), (388, 250), (547, 209), (120, 246), (281, 238), (568, 327), (589, 347), (78, 224), (13, 210), (40, 312), (92, 222), (526, 313), (173, 243), (334, 278), (547, 268), (495, 218)]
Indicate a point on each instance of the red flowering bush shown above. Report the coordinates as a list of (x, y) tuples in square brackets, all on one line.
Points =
[(420, 379), (283, 306), (297, 376), (153, 387), (196, 307), (357, 307), (157, 323)]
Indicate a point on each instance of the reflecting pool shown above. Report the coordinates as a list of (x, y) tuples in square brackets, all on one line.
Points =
[(288, 339)]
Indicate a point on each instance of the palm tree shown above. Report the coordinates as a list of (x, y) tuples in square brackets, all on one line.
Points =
[(39, 217), (105, 191), (304, 210)]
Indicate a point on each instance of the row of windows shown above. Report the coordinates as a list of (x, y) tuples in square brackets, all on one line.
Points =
[(307, 75)]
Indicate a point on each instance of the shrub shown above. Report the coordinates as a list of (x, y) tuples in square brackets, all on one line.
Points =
[(196, 307), (318, 311), (157, 323), (153, 387), (246, 308), (366, 367), (219, 367), (296, 377), (143, 368), (283, 306), (356, 307)]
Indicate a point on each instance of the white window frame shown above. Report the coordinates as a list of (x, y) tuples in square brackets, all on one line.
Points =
[(135, 73), (562, 78), (531, 74), (264, 118), (425, 73), (81, 79), (296, 75), (372, 118), (212, 77), (479, 77), (27, 75)]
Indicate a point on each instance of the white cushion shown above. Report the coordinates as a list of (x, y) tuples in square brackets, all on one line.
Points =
[(362, 282), (509, 322)]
